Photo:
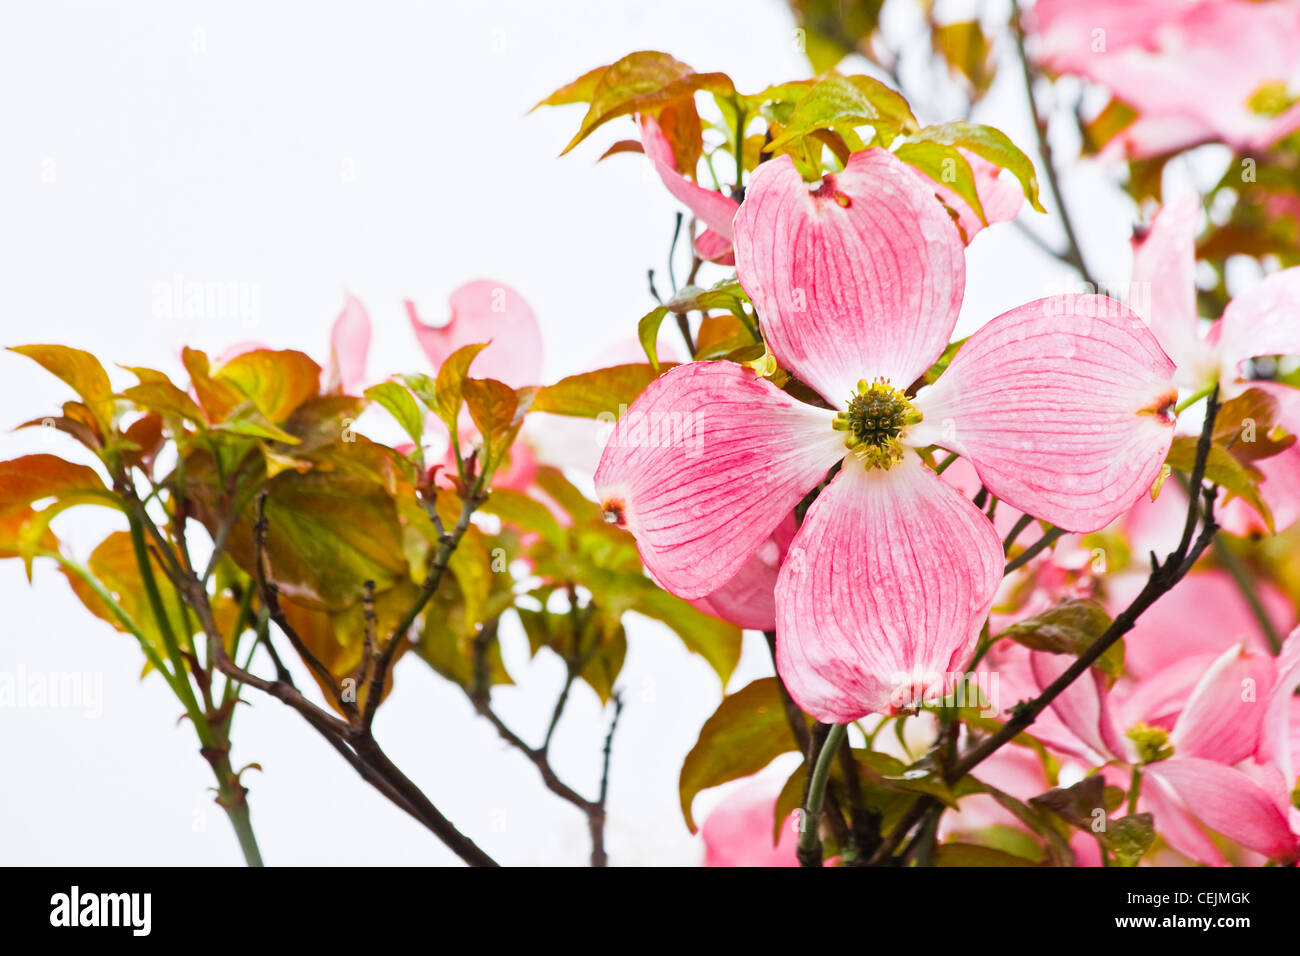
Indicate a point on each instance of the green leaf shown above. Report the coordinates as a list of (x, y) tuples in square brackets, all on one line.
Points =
[(399, 403), (1077, 805), (640, 82), (597, 651), (166, 399), (1069, 628), (577, 505), (888, 771), (447, 639), (1224, 470), (647, 333), (833, 29), (603, 392), (424, 387), (525, 513), (947, 166), (970, 854), (991, 144), (1129, 838), (1058, 847), (848, 101), (247, 420), (449, 387), (328, 533), (727, 294), (746, 732)]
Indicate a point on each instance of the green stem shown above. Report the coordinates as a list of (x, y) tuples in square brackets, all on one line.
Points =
[(1192, 399), (239, 819), (812, 812), (1134, 789)]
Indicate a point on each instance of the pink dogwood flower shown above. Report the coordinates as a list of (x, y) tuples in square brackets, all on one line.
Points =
[(1195, 71), (1261, 321), (1208, 732), (1062, 405)]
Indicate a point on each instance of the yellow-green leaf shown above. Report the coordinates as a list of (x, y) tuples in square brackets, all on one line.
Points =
[(848, 102), (639, 82), (397, 401), (596, 394), (991, 144), (747, 731)]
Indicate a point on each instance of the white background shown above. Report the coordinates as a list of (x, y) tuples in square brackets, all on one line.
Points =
[(384, 149)]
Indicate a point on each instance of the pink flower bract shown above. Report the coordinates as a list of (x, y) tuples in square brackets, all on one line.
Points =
[(1063, 407)]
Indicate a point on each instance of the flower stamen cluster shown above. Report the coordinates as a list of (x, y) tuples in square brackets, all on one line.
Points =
[(874, 423)]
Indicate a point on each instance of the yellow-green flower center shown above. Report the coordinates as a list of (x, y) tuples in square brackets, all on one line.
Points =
[(874, 422), (1152, 743)]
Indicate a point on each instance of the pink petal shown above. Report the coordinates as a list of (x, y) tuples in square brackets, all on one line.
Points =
[(487, 311), (1157, 700), (1067, 30), (1063, 405), (748, 600), (713, 209), (714, 247), (1262, 321), (1164, 267), (738, 831), (1228, 802), (883, 592), (1221, 720), (858, 279), (1175, 822), (1084, 706), (1277, 745), (349, 348), (705, 465)]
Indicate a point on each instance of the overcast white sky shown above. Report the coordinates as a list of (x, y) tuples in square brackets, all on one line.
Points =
[(304, 149)]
